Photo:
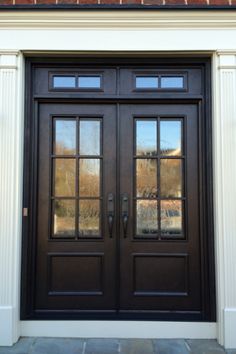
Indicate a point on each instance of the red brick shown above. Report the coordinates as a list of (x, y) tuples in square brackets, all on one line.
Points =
[(67, 2), (233, 2), (6, 2), (153, 2), (137, 2), (24, 2), (219, 2), (174, 2), (45, 2), (197, 2), (88, 2), (110, 2)]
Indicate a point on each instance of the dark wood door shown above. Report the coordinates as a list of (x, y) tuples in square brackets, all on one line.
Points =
[(160, 262), (119, 242), (118, 211), (76, 249)]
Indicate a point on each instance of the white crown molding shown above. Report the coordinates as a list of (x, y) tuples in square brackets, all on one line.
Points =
[(117, 19)]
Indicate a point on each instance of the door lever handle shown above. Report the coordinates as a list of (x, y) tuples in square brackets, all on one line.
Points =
[(110, 213), (125, 213)]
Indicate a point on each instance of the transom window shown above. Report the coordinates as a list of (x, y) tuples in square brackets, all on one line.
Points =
[(76, 82)]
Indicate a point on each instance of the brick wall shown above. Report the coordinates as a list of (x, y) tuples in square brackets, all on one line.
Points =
[(141, 3)]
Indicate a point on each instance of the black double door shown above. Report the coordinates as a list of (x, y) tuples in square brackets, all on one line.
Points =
[(118, 221)]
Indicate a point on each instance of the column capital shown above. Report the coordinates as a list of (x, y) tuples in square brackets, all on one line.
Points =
[(227, 59), (8, 59)]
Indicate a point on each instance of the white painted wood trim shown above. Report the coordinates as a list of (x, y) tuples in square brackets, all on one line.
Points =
[(224, 134), (11, 141), (119, 329), (118, 19)]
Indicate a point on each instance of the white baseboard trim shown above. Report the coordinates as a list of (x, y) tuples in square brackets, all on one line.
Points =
[(119, 329), (8, 326), (229, 328)]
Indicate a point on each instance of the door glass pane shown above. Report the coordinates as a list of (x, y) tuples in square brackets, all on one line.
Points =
[(89, 177), (64, 218), (170, 136), (146, 178), (171, 178), (64, 177), (64, 81), (146, 137), (89, 137), (65, 137), (171, 217), (148, 82), (89, 82), (89, 218), (146, 217), (172, 82)]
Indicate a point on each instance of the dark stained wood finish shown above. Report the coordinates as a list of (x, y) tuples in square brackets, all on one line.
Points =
[(119, 277), (161, 275), (60, 283)]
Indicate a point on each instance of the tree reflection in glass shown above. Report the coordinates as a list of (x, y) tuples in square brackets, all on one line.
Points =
[(89, 218), (64, 218)]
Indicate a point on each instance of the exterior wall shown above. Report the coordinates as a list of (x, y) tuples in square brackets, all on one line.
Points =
[(109, 34)]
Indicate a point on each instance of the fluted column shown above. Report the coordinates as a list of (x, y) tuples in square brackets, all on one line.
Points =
[(11, 139), (224, 122)]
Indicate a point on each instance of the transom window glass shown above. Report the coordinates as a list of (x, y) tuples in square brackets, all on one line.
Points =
[(89, 81), (64, 82), (76, 81), (146, 81), (158, 82), (176, 82)]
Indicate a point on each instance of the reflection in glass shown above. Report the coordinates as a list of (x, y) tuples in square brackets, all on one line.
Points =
[(89, 137), (146, 217), (65, 137), (170, 133), (89, 218), (64, 81), (146, 137), (171, 178), (89, 82), (171, 217), (64, 218), (172, 82), (89, 177), (146, 177), (64, 177), (147, 82)]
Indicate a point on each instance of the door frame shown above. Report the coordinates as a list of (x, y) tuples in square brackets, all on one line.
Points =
[(30, 176)]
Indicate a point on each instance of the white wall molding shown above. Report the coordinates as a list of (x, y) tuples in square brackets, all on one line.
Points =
[(118, 19), (10, 202), (224, 121)]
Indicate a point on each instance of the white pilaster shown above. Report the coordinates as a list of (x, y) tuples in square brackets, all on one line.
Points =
[(11, 139), (224, 121)]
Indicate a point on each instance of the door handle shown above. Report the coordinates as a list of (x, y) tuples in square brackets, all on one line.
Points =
[(110, 213), (125, 213)]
